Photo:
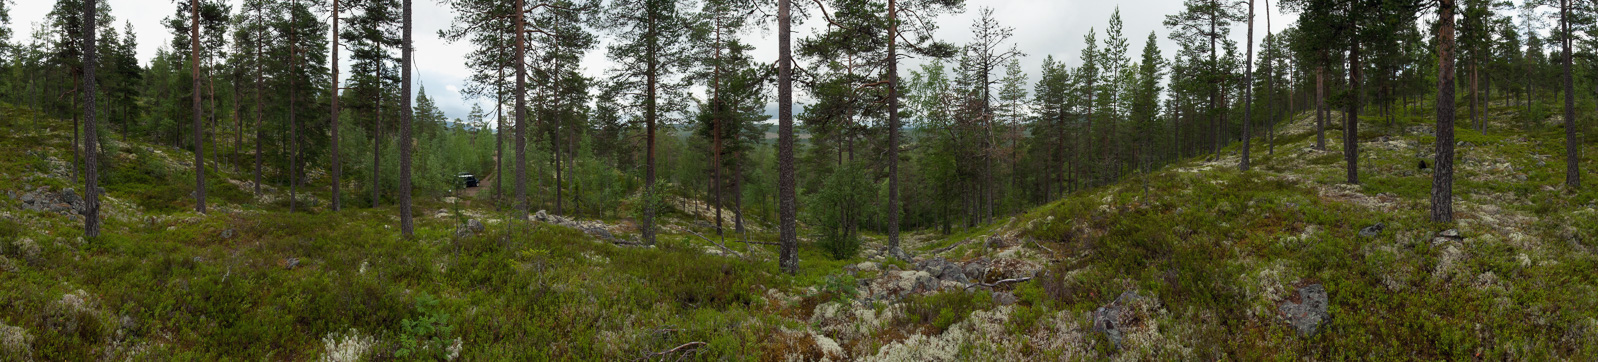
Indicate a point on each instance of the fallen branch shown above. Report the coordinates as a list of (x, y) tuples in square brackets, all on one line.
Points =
[(723, 247), (951, 247), (1040, 246), (997, 283), (759, 243), (674, 350)]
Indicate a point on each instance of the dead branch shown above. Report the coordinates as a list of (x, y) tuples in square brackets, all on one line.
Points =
[(723, 247), (683, 348), (997, 283)]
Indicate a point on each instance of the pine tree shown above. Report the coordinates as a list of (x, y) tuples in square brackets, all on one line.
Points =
[(407, 227), (91, 207), (650, 46), (788, 260), (1207, 21), (1443, 176)]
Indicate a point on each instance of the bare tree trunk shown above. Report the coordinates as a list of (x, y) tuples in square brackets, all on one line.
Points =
[(377, 135), (294, 132), (521, 108), (1248, 87), (91, 139), (1351, 120), (1320, 108), (788, 207), (893, 130), (1572, 148), (199, 145), (337, 199), (499, 132), (260, 41), (1443, 175), (407, 226), (650, 108)]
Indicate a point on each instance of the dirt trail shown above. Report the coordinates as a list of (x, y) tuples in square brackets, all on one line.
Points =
[(471, 192)]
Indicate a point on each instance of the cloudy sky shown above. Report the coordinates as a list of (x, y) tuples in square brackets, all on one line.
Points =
[(1042, 28)]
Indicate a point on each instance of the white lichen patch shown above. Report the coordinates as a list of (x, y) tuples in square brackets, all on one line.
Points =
[(349, 346)]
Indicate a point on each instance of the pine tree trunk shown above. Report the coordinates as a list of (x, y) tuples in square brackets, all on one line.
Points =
[(650, 108), (499, 131), (1248, 87), (788, 206), (893, 130), (199, 148), (1572, 148), (1443, 174), (407, 226), (377, 135), (294, 137), (1320, 108), (91, 139), (521, 108), (336, 167), (260, 41), (1351, 120)]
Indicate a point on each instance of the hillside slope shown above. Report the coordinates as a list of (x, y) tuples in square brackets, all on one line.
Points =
[(1195, 261)]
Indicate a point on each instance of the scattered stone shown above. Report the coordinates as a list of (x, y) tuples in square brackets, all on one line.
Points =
[(866, 266), (6, 265), (1113, 319), (1372, 231), (475, 225), (1451, 234), (227, 234), (1307, 310), (1004, 298)]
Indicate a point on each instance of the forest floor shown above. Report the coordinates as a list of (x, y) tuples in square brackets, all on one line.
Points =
[(1193, 261)]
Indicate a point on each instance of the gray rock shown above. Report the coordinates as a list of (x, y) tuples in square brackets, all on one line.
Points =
[(70, 197), (1450, 233), (475, 226), (953, 272), (1003, 298), (227, 234), (926, 283), (1309, 312), (976, 269), (1111, 319), (28, 197), (1372, 231)]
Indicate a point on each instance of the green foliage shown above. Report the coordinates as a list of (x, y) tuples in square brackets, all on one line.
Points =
[(427, 337), (837, 209)]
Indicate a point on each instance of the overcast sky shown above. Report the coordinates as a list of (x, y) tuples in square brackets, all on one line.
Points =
[(1042, 28)]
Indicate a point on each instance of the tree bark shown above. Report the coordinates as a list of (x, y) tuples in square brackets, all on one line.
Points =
[(1351, 120), (294, 137), (91, 139), (1572, 148), (787, 204), (650, 107), (1443, 174), (893, 130), (199, 148), (521, 108), (260, 41), (377, 133), (337, 203), (1248, 87), (1320, 108), (407, 226)]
